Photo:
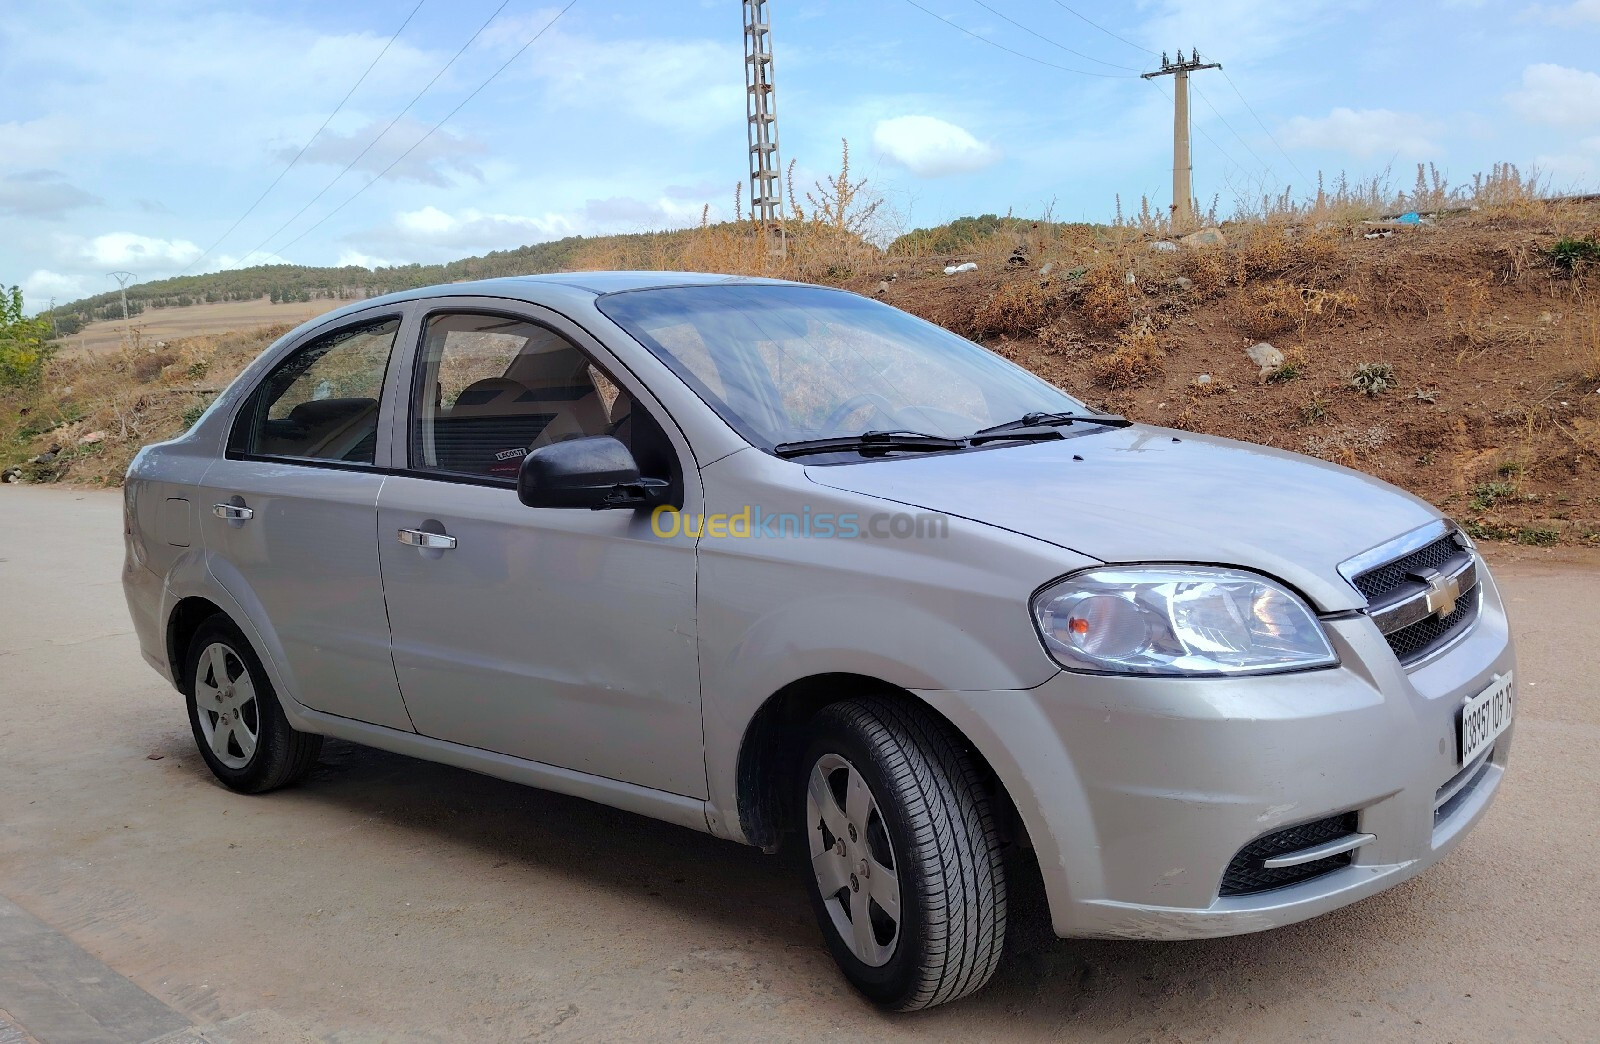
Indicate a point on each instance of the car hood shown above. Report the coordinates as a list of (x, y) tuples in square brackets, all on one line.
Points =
[(1142, 494)]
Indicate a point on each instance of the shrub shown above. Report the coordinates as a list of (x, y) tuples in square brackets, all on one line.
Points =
[(24, 346), (1572, 253), (1538, 536), (1486, 494), (1373, 379), (1137, 357), (1020, 307), (1106, 302)]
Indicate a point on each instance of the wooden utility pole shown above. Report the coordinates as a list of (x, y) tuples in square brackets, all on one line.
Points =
[(1182, 164)]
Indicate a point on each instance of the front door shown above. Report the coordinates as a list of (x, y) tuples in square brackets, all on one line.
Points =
[(290, 520), (556, 635)]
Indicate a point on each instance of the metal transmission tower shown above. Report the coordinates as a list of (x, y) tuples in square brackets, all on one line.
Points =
[(1182, 164), (761, 109), (123, 279)]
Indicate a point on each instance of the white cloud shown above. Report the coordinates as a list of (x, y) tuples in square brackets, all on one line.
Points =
[(1557, 95), (931, 147), (1363, 132), (360, 260), (44, 284), (130, 248), (472, 229), (1576, 13)]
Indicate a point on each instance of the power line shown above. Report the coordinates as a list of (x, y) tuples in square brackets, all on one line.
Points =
[(1003, 47), (1263, 126), (390, 126), (1052, 43), (379, 176), (1264, 164), (1102, 28), (336, 110)]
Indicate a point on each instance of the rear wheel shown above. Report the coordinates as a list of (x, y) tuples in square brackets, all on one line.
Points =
[(238, 725), (904, 866)]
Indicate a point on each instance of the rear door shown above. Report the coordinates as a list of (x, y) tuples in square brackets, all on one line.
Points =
[(290, 517), (556, 635)]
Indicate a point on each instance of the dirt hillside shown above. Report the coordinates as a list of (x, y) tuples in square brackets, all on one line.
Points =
[(1458, 358)]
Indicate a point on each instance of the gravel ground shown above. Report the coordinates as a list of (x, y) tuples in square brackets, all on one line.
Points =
[(392, 900)]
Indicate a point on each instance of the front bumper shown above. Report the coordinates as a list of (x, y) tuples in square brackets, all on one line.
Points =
[(1137, 793)]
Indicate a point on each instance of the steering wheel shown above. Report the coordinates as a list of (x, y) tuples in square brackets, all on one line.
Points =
[(845, 409)]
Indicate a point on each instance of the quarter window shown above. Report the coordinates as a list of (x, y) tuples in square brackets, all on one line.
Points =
[(321, 403)]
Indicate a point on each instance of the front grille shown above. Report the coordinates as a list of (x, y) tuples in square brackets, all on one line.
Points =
[(1412, 643), (1246, 875), (1378, 583)]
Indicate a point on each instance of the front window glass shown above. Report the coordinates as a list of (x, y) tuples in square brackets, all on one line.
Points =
[(490, 389), (790, 363), (321, 403)]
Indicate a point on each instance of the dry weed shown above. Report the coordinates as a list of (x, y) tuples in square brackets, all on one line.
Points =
[(1136, 358), (1017, 308)]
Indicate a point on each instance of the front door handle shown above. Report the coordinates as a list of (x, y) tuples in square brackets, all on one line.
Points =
[(233, 512), (423, 538)]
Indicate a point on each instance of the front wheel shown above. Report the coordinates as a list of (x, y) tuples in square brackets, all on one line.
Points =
[(905, 870), (238, 725)]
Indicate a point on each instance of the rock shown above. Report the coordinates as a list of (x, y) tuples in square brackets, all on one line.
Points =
[(1206, 237), (1130, 278), (1049, 266), (1163, 246), (1265, 356), (1018, 259), (91, 438), (883, 287), (1183, 283)]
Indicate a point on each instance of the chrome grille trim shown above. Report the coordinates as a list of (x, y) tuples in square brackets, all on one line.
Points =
[(1413, 596), (1399, 547)]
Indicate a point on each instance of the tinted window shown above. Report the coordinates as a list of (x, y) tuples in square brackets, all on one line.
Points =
[(490, 389), (785, 363), (321, 403)]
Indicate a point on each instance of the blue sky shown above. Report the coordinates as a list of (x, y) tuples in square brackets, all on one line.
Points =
[(133, 135)]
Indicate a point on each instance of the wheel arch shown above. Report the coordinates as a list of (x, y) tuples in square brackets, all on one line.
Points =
[(771, 745), (182, 623)]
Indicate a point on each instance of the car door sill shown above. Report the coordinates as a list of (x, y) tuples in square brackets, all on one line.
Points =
[(630, 797)]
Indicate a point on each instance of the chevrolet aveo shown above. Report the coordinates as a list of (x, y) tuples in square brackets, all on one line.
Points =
[(777, 561)]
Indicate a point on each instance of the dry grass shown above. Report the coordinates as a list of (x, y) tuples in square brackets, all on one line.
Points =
[(100, 408)]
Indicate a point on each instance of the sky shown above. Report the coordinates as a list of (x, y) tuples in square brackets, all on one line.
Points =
[(137, 136)]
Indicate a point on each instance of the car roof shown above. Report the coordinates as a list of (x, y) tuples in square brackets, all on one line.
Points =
[(551, 288)]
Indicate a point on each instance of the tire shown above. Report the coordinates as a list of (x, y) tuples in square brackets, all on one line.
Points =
[(928, 824), (237, 721)]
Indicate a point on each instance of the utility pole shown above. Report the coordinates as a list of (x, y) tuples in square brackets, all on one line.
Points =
[(761, 111), (1182, 164), (123, 279)]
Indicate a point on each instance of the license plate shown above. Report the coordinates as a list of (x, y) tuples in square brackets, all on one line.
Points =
[(1484, 717)]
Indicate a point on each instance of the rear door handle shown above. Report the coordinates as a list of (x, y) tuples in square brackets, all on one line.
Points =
[(423, 538), (233, 512)]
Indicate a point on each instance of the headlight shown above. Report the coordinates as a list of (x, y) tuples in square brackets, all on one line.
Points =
[(1182, 620)]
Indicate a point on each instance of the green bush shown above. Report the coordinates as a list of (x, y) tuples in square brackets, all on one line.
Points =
[(24, 342)]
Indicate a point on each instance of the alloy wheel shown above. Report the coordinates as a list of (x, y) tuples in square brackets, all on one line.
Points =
[(230, 718), (853, 860)]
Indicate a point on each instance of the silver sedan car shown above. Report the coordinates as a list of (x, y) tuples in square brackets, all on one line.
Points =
[(783, 564)]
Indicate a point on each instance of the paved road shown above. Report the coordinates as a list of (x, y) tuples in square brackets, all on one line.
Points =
[(391, 900)]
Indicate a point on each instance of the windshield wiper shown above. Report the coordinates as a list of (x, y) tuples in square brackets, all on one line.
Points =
[(870, 442), (1052, 420)]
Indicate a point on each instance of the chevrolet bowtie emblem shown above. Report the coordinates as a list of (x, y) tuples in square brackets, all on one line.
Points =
[(1443, 592)]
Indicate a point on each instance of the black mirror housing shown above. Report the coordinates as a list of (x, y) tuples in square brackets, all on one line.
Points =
[(596, 472)]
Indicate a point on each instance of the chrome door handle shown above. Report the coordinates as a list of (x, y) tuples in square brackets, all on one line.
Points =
[(233, 512), (422, 538)]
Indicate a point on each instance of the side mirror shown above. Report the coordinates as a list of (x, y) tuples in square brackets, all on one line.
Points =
[(595, 472)]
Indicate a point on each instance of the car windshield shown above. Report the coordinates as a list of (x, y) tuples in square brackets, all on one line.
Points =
[(785, 364)]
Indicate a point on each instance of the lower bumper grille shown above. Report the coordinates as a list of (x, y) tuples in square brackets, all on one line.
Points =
[(1248, 874)]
